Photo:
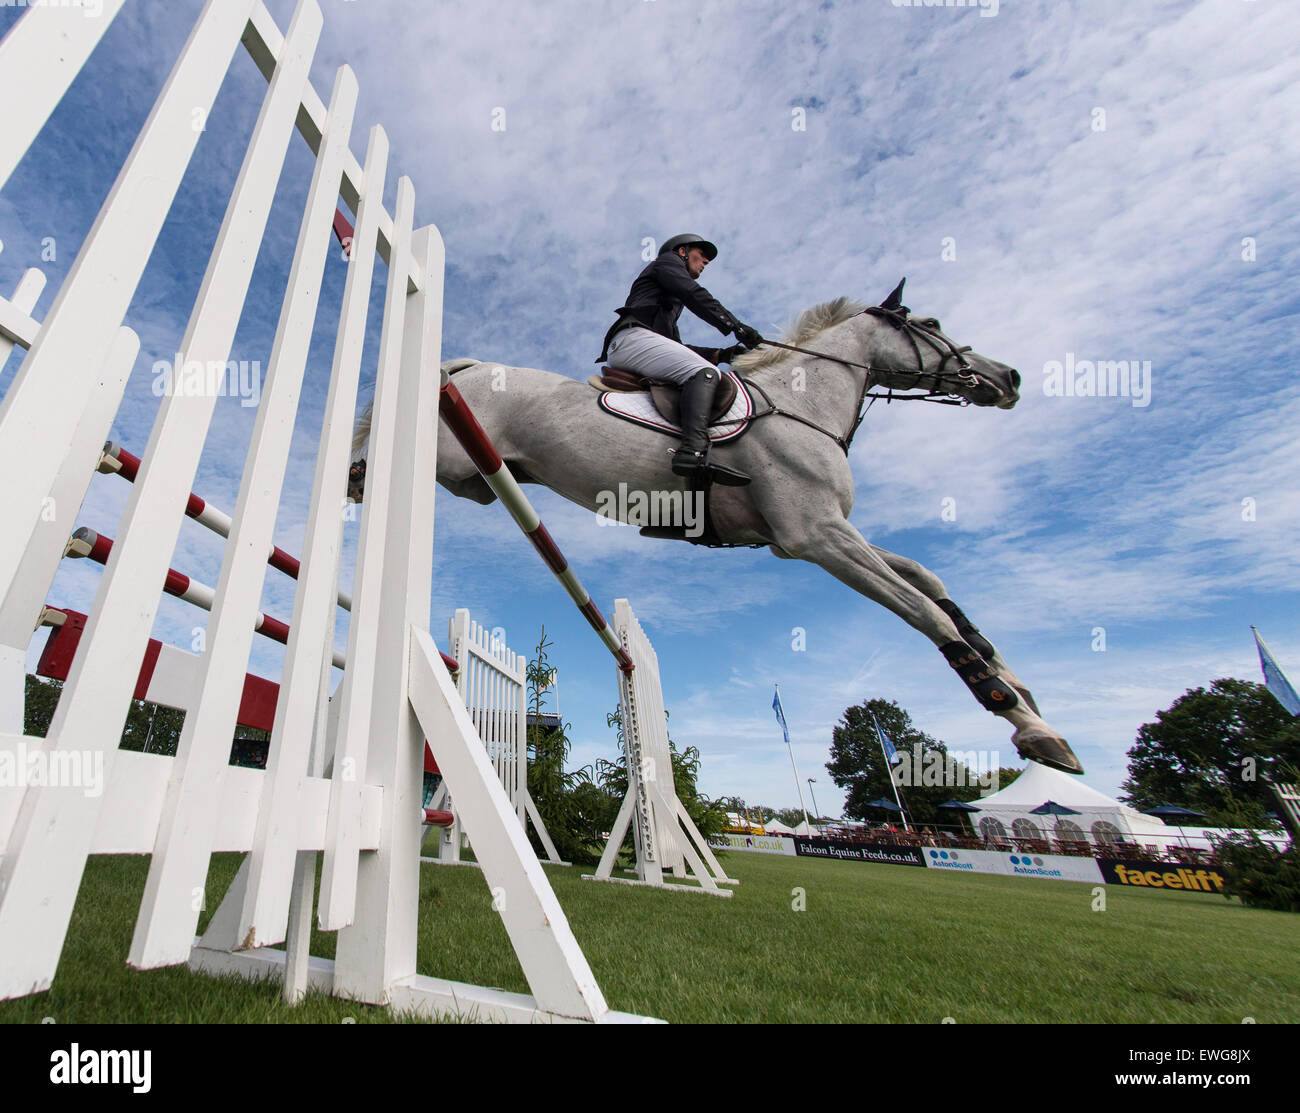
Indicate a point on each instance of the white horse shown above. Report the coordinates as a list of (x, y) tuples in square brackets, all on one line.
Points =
[(549, 429)]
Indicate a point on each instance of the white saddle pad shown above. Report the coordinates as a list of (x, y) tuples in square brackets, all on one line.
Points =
[(639, 408)]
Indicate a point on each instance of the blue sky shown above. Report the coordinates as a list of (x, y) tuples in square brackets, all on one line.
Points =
[(1097, 169)]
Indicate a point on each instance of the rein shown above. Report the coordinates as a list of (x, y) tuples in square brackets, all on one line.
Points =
[(936, 393)]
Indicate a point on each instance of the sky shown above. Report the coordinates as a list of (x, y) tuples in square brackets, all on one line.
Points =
[(1058, 181)]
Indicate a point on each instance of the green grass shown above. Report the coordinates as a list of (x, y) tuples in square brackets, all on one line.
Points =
[(875, 943)]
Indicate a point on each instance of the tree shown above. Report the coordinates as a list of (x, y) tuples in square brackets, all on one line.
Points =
[(573, 816), (858, 765), (41, 697), (147, 724), (1211, 751)]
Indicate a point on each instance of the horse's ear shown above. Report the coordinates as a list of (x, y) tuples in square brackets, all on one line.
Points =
[(895, 299)]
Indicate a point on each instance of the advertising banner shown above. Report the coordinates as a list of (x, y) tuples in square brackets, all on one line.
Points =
[(761, 844), (1161, 875), (1058, 867), (858, 851)]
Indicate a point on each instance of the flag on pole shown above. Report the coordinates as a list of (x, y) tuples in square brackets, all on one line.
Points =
[(891, 754), (780, 716), (1275, 679)]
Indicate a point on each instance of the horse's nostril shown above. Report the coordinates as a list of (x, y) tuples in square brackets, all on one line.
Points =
[(1015, 378)]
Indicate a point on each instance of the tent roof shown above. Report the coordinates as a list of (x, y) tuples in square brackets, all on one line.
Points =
[(1038, 784)]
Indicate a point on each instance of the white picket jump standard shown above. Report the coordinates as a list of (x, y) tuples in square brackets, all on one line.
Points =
[(493, 685), (343, 776), (666, 839)]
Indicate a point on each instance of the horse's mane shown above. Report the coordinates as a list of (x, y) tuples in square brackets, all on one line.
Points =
[(800, 331)]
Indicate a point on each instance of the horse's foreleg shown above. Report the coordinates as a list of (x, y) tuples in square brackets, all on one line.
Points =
[(842, 551), (926, 582)]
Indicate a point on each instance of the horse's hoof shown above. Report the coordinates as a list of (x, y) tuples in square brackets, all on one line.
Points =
[(356, 480), (1046, 749)]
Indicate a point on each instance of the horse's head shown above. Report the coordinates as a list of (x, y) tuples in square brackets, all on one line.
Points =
[(911, 352)]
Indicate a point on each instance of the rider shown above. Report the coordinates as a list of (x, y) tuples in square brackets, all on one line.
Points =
[(645, 340)]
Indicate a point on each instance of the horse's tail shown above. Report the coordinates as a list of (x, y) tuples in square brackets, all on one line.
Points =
[(361, 431)]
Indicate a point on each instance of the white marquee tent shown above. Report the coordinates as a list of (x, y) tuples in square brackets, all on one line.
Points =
[(1101, 818)]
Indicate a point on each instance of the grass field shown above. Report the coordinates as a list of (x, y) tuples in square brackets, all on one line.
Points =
[(875, 943)]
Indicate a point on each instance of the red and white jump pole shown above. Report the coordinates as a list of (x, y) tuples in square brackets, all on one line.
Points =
[(85, 542), (460, 419), (118, 461)]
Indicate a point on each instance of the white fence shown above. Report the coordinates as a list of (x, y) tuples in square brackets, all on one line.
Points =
[(343, 777), (492, 681)]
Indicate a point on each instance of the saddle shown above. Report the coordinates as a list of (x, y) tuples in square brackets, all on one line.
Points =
[(666, 396)]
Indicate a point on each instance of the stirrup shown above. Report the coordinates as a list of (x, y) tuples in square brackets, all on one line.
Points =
[(695, 465)]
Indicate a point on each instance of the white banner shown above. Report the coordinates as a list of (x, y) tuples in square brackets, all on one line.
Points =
[(762, 844), (1059, 867)]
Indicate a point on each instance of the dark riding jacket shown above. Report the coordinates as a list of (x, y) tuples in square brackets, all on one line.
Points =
[(656, 300)]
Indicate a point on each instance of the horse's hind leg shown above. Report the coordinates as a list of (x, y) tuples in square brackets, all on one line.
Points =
[(932, 587), (842, 551)]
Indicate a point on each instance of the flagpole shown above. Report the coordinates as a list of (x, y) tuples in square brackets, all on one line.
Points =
[(780, 714), (889, 770)]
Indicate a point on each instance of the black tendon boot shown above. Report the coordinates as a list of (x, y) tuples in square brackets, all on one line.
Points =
[(692, 458)]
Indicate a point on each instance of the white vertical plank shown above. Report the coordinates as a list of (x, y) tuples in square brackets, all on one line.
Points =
[(36, 425), (21, 609), (264, 917), (521, 764), (379, 948), (165, 926), (339, 880), (41, 871), (39, 58)]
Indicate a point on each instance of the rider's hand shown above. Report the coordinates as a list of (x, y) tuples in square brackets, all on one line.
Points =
[(749, 337)]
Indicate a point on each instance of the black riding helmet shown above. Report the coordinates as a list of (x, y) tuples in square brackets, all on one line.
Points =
[(689, 239)]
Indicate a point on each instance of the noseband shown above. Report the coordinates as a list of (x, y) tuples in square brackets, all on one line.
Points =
[(900, 318)]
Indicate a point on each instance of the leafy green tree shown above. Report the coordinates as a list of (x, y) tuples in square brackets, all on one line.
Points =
[(148, 725), (1259, 874), (41, 697), (1212, 751), (858, 765), (570, 819)]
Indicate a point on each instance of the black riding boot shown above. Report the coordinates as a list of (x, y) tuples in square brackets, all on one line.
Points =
[(692, 458)]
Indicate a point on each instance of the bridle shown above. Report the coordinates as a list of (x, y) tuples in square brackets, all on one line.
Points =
[(900, 318)]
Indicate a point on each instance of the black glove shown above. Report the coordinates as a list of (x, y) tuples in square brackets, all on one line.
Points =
[(749, 337), (726, 355)]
